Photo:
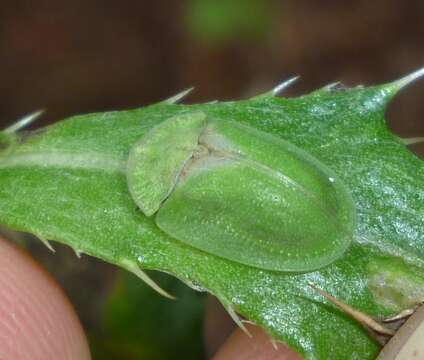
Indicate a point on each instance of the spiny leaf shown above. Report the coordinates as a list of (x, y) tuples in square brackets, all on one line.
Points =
[(67, 183)]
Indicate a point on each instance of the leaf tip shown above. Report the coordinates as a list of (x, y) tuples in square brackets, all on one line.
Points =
[(408, 79)]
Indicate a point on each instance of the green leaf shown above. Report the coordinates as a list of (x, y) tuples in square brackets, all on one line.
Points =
[(67, 183)]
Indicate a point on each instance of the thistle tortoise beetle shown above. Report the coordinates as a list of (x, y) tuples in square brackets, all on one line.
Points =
[(241, 194)]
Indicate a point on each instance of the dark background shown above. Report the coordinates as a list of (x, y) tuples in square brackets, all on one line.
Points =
[(72, 57), (81, 56)]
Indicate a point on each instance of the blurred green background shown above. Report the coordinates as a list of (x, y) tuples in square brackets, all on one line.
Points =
[(75, 56)]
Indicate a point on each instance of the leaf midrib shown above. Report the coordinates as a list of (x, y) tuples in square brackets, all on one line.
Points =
[(68, 160)]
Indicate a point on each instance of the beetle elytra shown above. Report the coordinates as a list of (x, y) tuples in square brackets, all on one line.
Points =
[(241, 194)]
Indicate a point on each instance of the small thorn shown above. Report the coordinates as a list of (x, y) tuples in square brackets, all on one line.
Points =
[(177, 98), (130, 266), (409, 79), (244, 321), (331, 86), (237, 319), (403, 314), (360, 317), (274, 344), (46, 243), (77, 253), (283, 86), (23, 122), (412, 141)]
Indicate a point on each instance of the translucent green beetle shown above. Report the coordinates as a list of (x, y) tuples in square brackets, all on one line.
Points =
[(241, 194)]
